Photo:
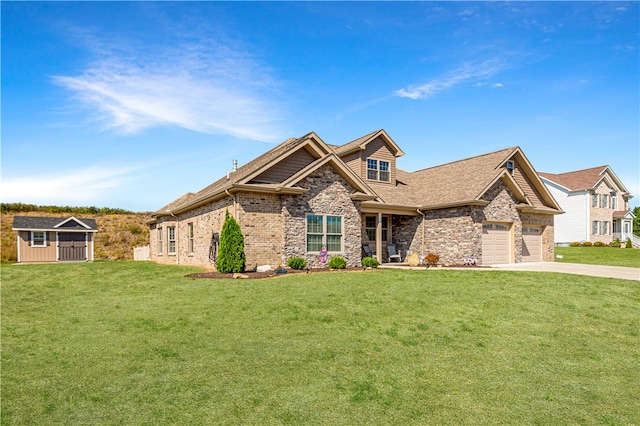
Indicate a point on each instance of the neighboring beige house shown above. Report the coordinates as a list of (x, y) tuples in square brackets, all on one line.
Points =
[(304, 195), (54, 239), (596, 205)]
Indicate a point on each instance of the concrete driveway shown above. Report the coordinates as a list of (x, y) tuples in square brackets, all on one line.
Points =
[(619, 272)]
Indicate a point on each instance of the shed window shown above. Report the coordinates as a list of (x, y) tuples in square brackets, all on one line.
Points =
[(38, 239)]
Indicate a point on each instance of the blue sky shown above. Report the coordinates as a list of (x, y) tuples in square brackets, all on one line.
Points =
[(132, 104)]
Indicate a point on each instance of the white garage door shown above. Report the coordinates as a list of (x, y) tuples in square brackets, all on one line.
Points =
[(531, 243), (495, 243)]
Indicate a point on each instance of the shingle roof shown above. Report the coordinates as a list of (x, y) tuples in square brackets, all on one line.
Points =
[(579, 179), (53, 223), (457, 182)]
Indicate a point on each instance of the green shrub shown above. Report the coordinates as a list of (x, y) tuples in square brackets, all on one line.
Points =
[(370, 262), (337, 263), (231, 256), (615, 243), (587, 244), (296, 263), (574, 244), (599, 244), (629, 244)]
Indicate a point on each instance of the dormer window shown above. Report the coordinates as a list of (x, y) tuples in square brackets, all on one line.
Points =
[(378, 170)]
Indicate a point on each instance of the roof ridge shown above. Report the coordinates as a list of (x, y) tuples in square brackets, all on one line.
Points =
[(513, 148)]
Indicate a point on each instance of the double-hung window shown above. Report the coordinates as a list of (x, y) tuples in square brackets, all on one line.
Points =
[(604, 201), (171, 239), (614, 200), (594, 200), (160, 242), (190, 238), (595, 227), (38, 239), (324, 231), (378, 170), (604, 228), (370, 228)]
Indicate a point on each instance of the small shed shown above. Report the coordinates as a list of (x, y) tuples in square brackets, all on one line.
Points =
[(54, 239)]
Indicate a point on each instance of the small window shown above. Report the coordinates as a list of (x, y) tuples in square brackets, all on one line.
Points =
[(510, 166), (160, 244), (171, 239), (372, 169), (190, 225), (38, 239)]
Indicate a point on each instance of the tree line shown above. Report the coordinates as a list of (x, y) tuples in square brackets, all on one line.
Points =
[(24, 208)]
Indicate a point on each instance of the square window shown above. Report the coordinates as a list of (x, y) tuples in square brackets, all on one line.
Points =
[(38, 239)]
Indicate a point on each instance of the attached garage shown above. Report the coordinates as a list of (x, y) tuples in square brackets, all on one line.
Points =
[(495, 243), (531, 243)]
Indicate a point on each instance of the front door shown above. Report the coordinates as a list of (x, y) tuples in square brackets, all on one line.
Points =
[(72, 246)]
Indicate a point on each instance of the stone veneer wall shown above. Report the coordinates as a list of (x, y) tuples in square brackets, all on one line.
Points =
[(456, 233), (328, 195)]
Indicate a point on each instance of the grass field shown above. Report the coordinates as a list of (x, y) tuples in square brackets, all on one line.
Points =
[(600, 256), (137, 343)]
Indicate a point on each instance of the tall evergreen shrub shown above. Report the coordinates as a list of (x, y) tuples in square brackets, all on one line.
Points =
[(231, 256)]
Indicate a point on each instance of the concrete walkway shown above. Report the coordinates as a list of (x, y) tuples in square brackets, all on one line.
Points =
[(619, 272)]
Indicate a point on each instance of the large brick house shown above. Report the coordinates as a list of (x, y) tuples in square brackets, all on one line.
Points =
[(304, 195)]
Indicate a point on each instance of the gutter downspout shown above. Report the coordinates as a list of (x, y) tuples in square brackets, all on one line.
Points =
[(423, 219), (177, 238), (226, 191)]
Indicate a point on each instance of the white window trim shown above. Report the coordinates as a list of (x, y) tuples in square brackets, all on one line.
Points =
[(44, 239), (169, 240), (378, 171), (324, 232)]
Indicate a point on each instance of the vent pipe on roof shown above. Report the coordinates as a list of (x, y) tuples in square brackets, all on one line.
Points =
[(235, 165)]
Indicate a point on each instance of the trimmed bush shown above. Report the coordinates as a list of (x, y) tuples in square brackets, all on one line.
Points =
[(587, 244), (296, 263), (575, 244), (231, 256), (629, 244), (599, 244), (370, 262), (337, 263), (615, 243)]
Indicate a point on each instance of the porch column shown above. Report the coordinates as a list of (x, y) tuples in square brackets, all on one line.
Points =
[(379, 238)]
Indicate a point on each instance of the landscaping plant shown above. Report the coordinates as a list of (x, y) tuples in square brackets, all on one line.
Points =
[(370, 262), (337, 262), (231, 256), (297, 263)]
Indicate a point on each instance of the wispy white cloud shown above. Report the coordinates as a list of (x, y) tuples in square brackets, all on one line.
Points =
[(79, 187), (472, 72), (205, 86)]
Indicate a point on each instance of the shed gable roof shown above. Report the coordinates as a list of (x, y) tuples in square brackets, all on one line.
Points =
[(38, 223)]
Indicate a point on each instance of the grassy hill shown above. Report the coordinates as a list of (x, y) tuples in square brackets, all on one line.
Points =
[(119, 231)]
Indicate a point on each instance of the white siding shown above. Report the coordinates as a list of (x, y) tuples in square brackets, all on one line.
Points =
[(574, 224)]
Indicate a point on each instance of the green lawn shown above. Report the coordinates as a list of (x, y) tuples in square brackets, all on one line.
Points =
[(600, 256), (137, 343)]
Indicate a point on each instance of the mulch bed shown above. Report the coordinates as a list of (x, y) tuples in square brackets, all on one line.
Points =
[(269, 274)]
